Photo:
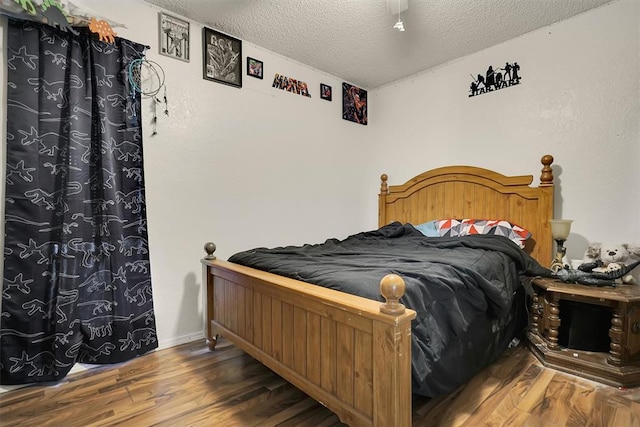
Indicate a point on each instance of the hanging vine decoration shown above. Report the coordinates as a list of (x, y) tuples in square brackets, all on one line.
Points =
[(50, 11), (53, 13)]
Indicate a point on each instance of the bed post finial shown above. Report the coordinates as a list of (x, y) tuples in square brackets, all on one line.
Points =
[(546, 178), (392, 289), (210, 248), (384, 189)]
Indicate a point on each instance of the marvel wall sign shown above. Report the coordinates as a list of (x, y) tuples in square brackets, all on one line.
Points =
[(495, 78)]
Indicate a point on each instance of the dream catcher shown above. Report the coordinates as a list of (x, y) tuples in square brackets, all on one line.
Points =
[(147, 78)]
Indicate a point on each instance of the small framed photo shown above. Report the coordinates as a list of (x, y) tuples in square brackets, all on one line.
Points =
[(174, 37), (325, 92), (222, 60), (254, 68)]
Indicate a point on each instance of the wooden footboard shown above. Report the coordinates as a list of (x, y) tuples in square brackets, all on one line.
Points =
[(350, 353)]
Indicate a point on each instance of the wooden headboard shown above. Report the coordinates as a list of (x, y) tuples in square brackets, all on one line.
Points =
[(472, 192)]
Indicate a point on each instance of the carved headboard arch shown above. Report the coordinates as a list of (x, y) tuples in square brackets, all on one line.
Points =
[(473, 192)]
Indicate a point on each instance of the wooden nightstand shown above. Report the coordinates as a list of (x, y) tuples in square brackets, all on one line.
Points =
[(612, 316)]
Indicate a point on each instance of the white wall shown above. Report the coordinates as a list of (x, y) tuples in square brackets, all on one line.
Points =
[(246, 167), (578, 100), (262, 167)]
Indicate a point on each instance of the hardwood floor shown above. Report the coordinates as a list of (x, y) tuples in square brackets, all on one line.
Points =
[(190, 386)]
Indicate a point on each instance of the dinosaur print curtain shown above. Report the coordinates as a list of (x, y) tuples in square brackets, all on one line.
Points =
[(76, 284)]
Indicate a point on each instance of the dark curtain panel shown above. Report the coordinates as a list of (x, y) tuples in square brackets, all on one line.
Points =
[(76, 282)]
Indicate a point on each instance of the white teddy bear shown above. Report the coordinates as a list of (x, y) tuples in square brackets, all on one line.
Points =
[(612, 257)]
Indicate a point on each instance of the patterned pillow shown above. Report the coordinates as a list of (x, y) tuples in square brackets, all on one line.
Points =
[(464, 227)]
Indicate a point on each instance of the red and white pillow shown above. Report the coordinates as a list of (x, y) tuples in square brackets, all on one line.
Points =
[(463, 227)]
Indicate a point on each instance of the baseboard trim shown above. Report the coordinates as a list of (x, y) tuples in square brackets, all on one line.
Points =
[(181, 340)]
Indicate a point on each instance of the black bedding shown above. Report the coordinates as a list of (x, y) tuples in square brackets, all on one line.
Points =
[(464, 290)]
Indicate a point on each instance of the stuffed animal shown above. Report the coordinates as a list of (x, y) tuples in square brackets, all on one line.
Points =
[(611, 257)]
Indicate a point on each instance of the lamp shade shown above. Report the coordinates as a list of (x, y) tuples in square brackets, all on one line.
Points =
[(560, 228)]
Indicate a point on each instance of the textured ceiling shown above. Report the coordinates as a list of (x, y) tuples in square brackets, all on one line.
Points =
[(354, 39)]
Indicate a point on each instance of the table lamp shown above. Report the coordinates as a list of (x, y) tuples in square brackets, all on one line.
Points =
[(560, 229)]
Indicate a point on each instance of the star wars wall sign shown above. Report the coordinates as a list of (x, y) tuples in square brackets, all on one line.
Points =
[(495, 79)]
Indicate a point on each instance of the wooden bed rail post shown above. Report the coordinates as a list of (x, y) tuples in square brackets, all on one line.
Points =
[(382, 200), (392, 288), (210, 248), (544, 243), (207, 297), (392, 363), (546, 177)]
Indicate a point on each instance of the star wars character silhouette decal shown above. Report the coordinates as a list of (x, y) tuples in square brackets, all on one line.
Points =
[(77, 285), (495, 79)]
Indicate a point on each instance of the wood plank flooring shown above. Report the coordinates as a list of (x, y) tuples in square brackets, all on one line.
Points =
[(188, 385)]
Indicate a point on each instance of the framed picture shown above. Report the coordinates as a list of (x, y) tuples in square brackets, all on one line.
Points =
[(174, 37), (222, 61), (254, 68), (325, 91), (354, 104)]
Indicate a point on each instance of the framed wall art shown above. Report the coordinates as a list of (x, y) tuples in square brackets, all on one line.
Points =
[(174, 37), (325, 92), (222, 60), (254, 68), (354, 104)]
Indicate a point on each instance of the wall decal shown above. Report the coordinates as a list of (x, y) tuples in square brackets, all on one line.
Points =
[(497, 79), (174, 37), (354, 104), (222, 58), (102, 29), (291, 85), (325, 92)]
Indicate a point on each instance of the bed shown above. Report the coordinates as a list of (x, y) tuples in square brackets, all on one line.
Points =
[(354, 354)]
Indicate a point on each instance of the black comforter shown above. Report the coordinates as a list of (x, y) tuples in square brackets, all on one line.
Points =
[(461, 288)]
